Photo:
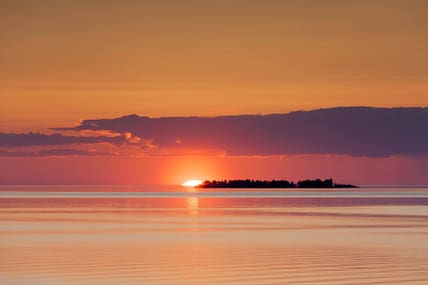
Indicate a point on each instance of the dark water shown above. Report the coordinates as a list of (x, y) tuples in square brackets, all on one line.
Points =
[(172, 235)]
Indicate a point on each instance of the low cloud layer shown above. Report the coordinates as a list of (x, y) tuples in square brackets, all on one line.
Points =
[(356, 131), (40, 139), (54, 152)]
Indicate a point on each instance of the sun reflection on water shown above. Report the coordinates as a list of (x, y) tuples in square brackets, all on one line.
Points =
[(192, 204)]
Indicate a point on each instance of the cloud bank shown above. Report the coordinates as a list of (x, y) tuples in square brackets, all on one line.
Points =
[(355, 131), (40, 139), (54, 152)]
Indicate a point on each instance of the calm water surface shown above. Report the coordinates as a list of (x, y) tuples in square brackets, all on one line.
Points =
[(172, 235)]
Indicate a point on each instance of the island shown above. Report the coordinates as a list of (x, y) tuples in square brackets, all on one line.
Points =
[(249, 183)]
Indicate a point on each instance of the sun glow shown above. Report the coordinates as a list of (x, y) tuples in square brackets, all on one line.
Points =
[(192, 183)]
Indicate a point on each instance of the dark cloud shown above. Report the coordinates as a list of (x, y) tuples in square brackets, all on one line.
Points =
[(39, 139), (357, 131), (53, 152)]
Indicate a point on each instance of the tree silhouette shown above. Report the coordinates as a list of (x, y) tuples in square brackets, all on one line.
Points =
[(247, 183)]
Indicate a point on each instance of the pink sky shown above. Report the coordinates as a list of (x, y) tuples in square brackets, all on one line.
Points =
[(177, 169), (66, 64)]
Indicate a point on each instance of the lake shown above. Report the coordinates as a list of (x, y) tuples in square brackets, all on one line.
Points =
[(176, 235)]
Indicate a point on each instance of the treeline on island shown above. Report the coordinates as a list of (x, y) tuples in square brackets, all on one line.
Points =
[(249, 183)]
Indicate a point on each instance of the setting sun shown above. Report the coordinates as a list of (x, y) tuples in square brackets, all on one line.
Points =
[(192, 183)]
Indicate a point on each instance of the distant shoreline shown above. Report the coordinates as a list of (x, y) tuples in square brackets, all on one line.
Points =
[(250, 183)]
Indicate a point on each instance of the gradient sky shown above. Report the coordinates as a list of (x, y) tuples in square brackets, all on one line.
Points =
[(63, 61), (66, 61)]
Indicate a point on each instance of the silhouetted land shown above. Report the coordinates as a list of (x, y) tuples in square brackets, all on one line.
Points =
[(247, 183)]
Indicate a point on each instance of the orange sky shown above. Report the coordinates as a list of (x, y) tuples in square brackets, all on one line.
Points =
[(66, 61), (177, 169)]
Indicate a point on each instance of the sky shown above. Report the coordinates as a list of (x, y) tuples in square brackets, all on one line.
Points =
[(65, 62)]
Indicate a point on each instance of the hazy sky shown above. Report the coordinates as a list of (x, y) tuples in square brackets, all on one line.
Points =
[(62, 61)]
